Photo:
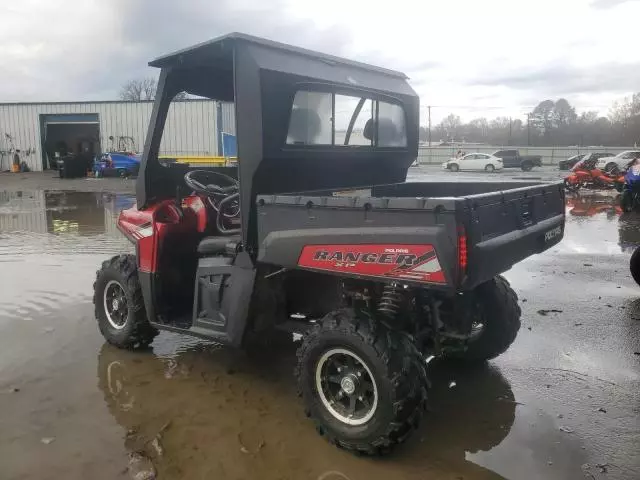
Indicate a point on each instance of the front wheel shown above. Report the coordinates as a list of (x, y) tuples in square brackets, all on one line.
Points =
[(610, 167), (490, 168), (496, 321), (119, 306), (634, 265), (454, 167), (526, 166), (363, 384)]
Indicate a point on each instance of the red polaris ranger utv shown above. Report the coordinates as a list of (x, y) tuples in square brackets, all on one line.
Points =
[(315, 232)]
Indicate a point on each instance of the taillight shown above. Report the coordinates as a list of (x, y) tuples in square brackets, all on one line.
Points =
[(463, 257)]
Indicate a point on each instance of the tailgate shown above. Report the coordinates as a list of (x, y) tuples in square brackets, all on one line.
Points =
[(506, 227)]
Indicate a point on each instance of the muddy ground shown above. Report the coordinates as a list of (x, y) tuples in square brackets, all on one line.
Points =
[(562, 403)]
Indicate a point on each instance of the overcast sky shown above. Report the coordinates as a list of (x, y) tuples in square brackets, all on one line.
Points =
[(471, 57)]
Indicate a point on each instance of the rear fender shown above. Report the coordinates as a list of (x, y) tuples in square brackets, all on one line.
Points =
[(137, 226)]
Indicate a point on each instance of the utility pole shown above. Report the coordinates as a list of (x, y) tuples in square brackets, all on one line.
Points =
[(528, 129), (510, 123), (429, 109)]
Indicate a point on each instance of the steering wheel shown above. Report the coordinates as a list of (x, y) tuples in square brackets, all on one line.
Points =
[(205, 182), (224, 199)]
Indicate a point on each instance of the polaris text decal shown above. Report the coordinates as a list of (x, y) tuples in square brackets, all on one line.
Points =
[(411, 262)]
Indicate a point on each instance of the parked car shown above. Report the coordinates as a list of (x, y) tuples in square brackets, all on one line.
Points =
[(621, 161), (117, 164), (570, 162), (513, 159), (474, 161)]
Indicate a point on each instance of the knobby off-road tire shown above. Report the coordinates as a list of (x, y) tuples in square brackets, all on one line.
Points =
[(610, 167), (634, 265), (499, 312), (390, 360), (126, 324)]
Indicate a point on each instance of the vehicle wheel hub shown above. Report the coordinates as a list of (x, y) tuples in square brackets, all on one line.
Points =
[(346, 386), (115, 305)]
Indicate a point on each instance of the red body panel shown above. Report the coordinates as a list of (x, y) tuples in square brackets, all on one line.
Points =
[(402, 262), (150, 228), (198, 206)]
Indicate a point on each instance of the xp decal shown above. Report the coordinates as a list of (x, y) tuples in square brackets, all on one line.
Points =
[(411, 262)]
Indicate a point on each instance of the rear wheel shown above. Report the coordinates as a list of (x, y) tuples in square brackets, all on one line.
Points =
[(634, 265), (496, 322), (610, 167), (454, 167), (527, 166), (119, 306), (363, 384), (490, 168)]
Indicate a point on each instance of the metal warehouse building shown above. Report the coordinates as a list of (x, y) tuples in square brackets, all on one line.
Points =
[(37, 130)]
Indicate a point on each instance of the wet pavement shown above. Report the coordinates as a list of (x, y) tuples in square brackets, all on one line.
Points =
[(562, 403)]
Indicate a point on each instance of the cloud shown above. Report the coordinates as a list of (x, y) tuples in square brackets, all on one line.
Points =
[(456, 53), (604, 4), (90, 60), (561, 79)]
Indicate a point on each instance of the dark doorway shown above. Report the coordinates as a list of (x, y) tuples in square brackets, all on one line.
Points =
[(69, 134)]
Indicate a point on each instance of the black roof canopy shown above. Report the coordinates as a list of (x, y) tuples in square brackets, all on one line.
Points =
[(261, 77), (221, 47)]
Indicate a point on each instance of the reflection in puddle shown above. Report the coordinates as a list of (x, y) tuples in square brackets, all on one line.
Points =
[(597, 225), (240, 416), (61, 222), (51, 244)]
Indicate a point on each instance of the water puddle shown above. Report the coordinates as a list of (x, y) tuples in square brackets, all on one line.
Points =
[(51, 243)]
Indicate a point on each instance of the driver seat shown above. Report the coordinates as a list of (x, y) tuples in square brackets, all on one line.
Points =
[(210, 246)]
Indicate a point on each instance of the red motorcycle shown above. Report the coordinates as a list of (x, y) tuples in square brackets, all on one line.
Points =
[(586, 175)]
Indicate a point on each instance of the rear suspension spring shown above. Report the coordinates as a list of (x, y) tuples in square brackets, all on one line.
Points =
[(390, 300)]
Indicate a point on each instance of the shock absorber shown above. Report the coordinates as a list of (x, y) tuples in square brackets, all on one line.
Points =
[(390, 300)]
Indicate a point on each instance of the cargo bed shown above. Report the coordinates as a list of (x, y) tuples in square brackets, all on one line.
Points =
[(477, 229)]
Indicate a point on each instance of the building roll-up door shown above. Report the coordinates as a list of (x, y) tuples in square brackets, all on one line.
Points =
[(77, 133)]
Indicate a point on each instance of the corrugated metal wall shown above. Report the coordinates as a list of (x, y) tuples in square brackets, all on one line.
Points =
[(228, 118), (191, 127)]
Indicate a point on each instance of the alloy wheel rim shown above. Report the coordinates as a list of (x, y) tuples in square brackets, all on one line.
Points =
[(346, 386), (115, 305)]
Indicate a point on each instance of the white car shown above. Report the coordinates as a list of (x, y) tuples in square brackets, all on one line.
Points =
[(621, 160), (474, 161)]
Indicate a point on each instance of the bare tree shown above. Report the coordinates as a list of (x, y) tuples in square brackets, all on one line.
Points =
[(143, 89), (138, 90)]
